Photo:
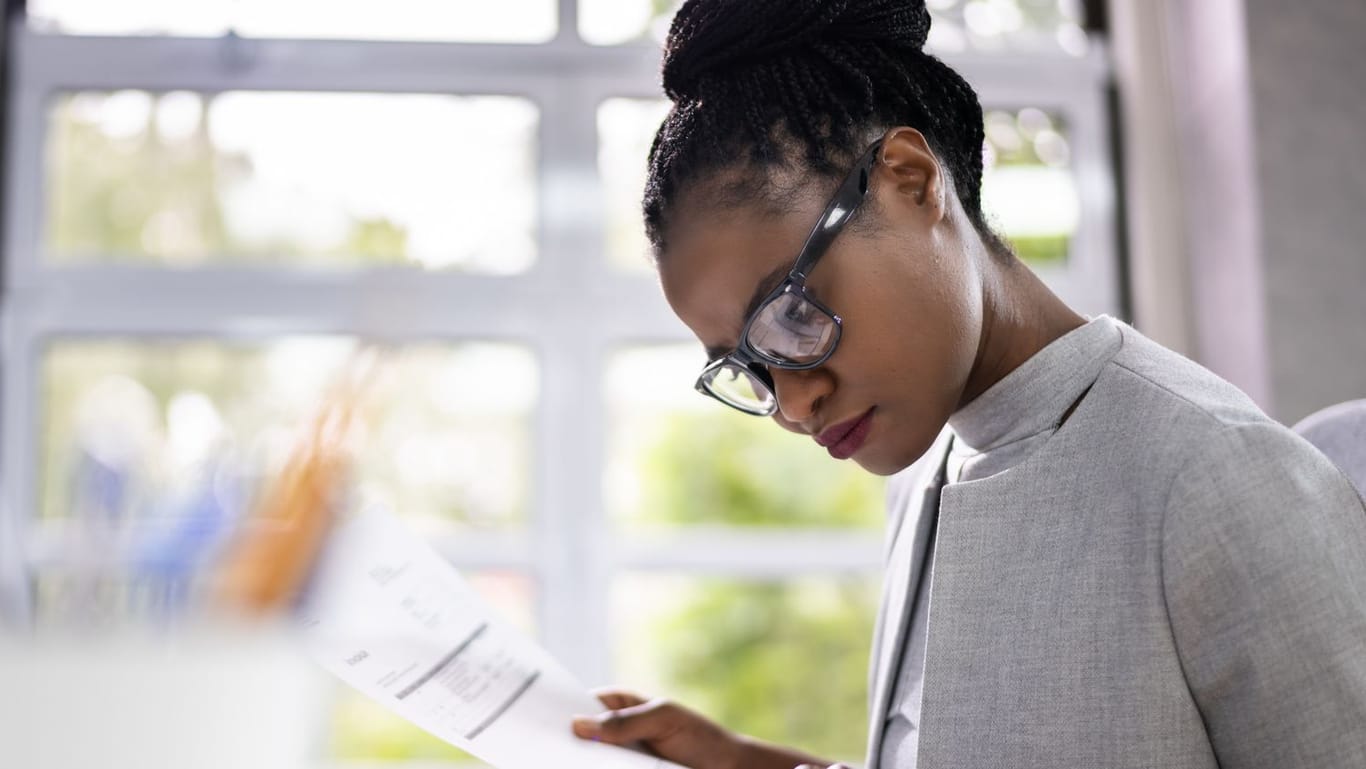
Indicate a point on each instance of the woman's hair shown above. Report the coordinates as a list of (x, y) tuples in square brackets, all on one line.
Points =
[(804, 84)]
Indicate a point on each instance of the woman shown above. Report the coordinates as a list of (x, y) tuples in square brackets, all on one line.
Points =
[(1111, 558)]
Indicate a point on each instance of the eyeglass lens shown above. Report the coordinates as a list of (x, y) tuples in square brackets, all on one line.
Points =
[(790, 328), (739, 387)]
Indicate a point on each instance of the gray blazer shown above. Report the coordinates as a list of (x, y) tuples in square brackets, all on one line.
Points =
[(1172, 580)]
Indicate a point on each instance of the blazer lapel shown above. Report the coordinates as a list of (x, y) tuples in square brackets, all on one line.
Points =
[(905, 562)]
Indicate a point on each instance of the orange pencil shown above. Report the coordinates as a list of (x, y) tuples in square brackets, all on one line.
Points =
[(271, 560)]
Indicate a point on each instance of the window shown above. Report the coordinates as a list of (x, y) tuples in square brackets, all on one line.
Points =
[(205, 228), (129, 421), (182, 179)]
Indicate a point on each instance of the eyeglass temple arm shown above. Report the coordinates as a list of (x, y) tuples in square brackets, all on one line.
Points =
[(843, 204)]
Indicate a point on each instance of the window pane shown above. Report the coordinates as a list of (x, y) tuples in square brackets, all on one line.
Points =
[(611, 22), (152, 430), (783, 661), (626, 128), (303, 179), (506, 21), (981, 25), (364, 730), (675, 457), (1028, 190), (1008, 25)]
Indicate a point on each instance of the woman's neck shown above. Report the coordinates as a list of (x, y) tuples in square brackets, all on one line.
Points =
[(1020, 316)]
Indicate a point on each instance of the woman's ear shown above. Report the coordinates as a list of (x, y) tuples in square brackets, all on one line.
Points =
[(908, 161)]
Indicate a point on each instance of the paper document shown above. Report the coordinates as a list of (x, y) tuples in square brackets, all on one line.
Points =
[(388, 616)]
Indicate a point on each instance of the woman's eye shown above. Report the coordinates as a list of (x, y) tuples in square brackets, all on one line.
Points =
[(798, 311), (801, 318)]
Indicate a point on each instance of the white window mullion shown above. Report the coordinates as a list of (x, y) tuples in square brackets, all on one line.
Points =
[(1089, 281), (221, 64), (567, 532), (568, 27), (20, 445), (761, 553), (24, 166)]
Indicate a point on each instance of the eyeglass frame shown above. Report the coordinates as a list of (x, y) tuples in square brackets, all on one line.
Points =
[(841, 208)]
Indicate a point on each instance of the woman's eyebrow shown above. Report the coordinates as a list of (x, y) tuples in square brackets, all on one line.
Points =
[(766, 286)]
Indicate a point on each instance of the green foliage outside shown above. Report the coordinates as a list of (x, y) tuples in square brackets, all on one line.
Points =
[(106, 191), (1042, 250), (148, 198), (786, 661), (362, 729), (730, 469)]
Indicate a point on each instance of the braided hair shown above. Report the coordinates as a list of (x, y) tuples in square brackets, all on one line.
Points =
[(764, 84)]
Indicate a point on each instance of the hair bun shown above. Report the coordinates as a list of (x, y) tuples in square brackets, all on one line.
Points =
[(711, 38)]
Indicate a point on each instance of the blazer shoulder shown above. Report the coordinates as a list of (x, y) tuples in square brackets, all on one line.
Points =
[(1157, 382), (1179, 384), (1154, 409)]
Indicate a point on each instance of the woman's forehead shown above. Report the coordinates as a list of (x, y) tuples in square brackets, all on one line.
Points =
[(711, 214), (713, 266)]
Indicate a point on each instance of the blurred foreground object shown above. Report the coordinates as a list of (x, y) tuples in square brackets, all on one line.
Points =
[(15, 604), (222, 701), (1340, 433), (265, 570)]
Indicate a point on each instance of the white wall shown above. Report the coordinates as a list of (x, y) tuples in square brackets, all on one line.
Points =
[(1308, 66), (1244, 123)]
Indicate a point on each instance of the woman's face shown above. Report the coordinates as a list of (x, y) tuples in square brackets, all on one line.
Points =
[(907, 291)]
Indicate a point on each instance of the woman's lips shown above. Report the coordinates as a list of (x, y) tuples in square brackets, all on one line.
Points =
[(845, 438)]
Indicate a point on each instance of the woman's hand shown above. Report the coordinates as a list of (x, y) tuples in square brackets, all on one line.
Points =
[(677, 734), (670, 731)]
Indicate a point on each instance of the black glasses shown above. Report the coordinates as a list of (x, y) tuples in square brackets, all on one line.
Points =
[(789, 329)]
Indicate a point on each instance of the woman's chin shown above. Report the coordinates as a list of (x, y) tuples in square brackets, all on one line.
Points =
[(880, 458)]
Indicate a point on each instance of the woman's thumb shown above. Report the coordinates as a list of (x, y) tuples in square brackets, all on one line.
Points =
[(644, 722)]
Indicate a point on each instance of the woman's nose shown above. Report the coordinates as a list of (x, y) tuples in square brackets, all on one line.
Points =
[(800, 393)]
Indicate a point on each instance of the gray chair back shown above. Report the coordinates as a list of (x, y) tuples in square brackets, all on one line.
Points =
[(1340, 433)]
